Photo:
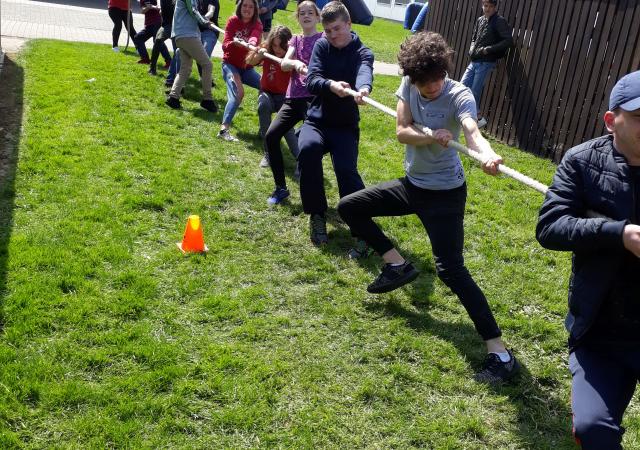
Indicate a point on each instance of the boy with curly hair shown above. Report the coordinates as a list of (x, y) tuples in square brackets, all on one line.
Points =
[(434, 188)]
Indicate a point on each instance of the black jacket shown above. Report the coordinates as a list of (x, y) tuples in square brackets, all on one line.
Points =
[(592, 177), (353, 64), (492, 35)]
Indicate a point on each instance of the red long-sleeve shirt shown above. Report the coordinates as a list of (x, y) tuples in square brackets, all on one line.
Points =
[(233, 53)]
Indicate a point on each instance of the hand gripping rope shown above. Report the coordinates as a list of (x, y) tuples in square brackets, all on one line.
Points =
[(527, 181)]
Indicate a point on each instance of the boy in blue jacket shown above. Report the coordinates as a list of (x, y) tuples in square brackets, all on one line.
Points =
[(339, 61)]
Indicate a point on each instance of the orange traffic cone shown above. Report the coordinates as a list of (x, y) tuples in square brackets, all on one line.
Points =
[(193, 239)]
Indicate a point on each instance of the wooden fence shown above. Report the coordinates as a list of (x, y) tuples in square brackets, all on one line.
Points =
[(550, 92)]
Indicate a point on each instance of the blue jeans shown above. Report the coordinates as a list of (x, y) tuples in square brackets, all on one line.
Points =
[(475, 76), (248, 76), (604, 379), (208, 38)]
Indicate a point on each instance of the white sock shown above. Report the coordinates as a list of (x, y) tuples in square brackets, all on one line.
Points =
[(504, 356)]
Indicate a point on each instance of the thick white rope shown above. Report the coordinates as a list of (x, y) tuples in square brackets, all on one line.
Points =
[(527, 181), (508, 171)]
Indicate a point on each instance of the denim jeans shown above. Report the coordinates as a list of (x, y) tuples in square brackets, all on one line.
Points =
[(248, 76), (208, 38), (475, 76)]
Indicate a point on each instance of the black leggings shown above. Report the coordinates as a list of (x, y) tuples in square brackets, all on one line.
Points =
[(442, 215), (293, 110), (119, 17)]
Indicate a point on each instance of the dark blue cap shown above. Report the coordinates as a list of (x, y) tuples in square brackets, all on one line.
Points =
[(626, 93)]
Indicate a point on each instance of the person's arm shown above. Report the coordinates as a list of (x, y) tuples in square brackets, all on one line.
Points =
[(504, 31), (477, 142), (474, 36), (410, 133), (233, 25), (289, 64), (193, 12), (317, 81), (562, 224), (364, 78), (256, 34), (146, 6), (210, 12), (255, 57)]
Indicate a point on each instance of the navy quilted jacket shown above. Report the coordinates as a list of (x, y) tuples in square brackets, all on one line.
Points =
[(592, 177)]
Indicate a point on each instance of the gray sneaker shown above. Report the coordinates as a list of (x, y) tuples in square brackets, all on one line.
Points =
[(227, 136), (495, 372), (318, 229), (264, 162)]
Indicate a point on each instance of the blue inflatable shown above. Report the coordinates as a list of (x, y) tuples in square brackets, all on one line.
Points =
[(410, 14), (359, 12), (418, 25), (320, 3), (415, 16)]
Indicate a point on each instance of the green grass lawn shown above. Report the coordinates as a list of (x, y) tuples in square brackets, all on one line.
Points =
[(111, 338), (383, 36)]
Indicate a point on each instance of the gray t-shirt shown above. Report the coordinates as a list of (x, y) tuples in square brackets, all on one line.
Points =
[(434, 166)]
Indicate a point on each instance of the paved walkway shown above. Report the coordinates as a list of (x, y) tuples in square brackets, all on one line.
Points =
[(29, 19)]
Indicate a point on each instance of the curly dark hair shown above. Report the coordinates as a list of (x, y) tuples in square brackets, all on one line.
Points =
[(425, 57)]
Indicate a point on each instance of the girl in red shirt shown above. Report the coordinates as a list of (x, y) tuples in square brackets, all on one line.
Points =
[(273, 84), (120, 13), (236, 72)]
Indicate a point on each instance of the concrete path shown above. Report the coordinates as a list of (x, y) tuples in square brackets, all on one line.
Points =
[(29, 19)]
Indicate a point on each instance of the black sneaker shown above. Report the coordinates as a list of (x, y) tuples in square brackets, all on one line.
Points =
[(152, 71), (495, 372), (360, 250), (318, 229), (393, 277), (279, 195), (209, 105), (173, 102)]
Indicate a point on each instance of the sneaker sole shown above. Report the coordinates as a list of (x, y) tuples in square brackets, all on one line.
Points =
[(397, 283)]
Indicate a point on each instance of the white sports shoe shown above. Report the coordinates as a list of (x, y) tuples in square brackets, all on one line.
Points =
[(116, 49)]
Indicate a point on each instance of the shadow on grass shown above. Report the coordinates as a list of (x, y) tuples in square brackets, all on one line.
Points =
[(541, 417), (11, 105)]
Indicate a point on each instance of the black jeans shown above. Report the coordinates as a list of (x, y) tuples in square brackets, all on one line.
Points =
[(342, 143), (442, 215), (143, 36), (293, 110), (119, 17), (162, 35)]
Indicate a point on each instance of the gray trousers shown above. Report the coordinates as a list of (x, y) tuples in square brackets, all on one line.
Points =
[(192, 49), (269, 104)]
